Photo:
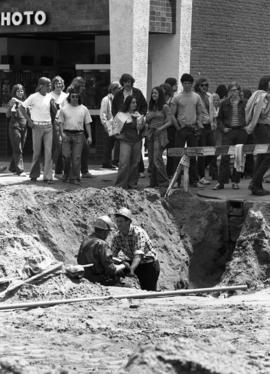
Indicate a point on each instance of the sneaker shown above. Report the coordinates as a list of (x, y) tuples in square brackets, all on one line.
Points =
[(142, 175), (58, 176), (204, 181), (259, 192), (48, 181), (23, 174), (109, 166), (218, 186), (87, 175), (235, 186), (76, 182)]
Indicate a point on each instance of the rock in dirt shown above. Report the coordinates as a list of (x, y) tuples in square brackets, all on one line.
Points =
[(177, 358), (250, 262)]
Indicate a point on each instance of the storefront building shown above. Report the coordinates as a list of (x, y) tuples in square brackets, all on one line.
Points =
[(150, 39)]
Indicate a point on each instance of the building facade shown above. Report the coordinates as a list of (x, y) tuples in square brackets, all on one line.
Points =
[(150, 39)]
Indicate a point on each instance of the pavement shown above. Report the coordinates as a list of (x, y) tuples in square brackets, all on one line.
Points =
[(102, 178)]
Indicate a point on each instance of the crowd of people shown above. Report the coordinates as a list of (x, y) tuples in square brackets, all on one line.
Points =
[(61, 126)]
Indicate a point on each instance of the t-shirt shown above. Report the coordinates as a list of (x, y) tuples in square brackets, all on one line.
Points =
[(39, 106), (74, 118), (59, 99), (189, 107)]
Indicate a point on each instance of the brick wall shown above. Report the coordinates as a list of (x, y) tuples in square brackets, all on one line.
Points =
[(162, 16), (230, 41)]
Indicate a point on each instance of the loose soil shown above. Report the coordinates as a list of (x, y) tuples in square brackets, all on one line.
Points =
[(181, 335)]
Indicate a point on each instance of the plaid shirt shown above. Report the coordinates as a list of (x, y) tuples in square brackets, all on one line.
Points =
[(136, 242)]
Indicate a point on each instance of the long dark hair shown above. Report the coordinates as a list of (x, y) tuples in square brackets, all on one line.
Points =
[(15, 88), (198, 82), (127, 103), (161, 100), (73, 90), (263, 84)]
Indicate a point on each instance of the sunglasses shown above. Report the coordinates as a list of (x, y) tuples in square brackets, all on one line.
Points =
[(74, 96), (204, 85)]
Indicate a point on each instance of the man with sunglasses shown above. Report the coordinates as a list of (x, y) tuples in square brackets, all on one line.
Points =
[(74, 117), (207, 134)]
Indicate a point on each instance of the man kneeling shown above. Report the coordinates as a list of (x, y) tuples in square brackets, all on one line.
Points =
[(95, 250)]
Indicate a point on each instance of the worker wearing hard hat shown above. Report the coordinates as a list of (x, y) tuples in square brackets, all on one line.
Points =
[(134, 243), (95, 250)]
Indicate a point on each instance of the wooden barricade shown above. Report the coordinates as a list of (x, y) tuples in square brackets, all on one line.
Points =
[(186, 153)]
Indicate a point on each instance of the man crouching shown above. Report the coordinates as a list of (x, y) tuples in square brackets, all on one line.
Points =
[(95, 250)]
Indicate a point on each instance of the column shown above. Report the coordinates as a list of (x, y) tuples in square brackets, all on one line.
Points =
[(169, 54), (129, 39)]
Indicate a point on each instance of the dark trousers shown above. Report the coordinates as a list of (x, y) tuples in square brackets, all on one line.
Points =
[(207, 138), (148, 275), (17, 136), (84, 157), (109, 142), (233, 137), (249, 164), (170, 166), (57, 150), (141, 165), (262, 164), (190, 136)]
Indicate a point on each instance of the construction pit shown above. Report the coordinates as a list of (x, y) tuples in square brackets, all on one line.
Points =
[(201, 242)]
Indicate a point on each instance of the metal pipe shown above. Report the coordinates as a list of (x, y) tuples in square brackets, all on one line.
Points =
[(146, 295)]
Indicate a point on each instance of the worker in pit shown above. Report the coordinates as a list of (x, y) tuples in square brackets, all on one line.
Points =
[(134, 244), (95, 250)]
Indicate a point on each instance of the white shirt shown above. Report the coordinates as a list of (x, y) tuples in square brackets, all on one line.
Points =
[(39, 106), (74, 118), (59, 99)]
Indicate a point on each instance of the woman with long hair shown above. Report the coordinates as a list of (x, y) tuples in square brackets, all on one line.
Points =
[(131, 124), (59, 97), (258, 124), (158, 119), (17, 129)]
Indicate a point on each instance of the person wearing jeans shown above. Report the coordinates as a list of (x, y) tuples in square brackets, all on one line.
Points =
[(133, 243), (73, 119), (130, 144), (258, 118), (40, 105), (17, 129), (187, 107), (159, 119), (231, 119), (106, 118)]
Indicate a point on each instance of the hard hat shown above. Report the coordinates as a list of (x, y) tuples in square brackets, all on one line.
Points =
[(104, 223), (125, 212)]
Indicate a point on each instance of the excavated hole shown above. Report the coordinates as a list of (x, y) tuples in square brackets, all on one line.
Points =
[(212, 245)]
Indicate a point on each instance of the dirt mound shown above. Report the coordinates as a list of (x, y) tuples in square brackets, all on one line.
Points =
[(250, 262), (51, 225), (178, 357)]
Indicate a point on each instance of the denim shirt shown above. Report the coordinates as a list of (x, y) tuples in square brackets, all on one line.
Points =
[(225, 114)]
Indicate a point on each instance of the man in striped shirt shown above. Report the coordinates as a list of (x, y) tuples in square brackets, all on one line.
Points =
[(231, 121), (134, 244)]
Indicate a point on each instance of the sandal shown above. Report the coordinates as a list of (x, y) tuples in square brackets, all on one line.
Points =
[(235, 186)]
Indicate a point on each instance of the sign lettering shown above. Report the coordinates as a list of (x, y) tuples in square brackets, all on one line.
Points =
[(27, 17)]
